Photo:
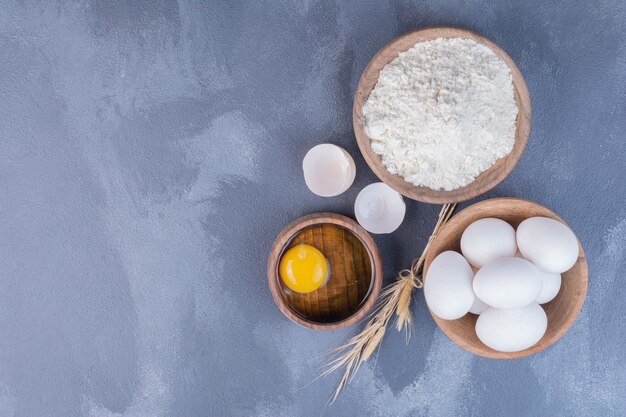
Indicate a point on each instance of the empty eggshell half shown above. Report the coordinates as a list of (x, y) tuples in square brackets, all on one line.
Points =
[(488, 239), (508, 283), (448, 286), (379, 208), (547, 243), (513, 329), (328, 170)]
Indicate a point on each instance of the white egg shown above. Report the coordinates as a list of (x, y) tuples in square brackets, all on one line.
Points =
[(551, 284), (486, 240), (550, 288), (478, 307), (448, 286), (547, 243), (513, 329), (507, 283)]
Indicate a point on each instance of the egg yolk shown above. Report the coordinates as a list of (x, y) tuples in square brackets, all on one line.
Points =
[(303, 268)]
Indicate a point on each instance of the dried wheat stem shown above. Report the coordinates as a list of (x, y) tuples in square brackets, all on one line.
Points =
[(394, 299)]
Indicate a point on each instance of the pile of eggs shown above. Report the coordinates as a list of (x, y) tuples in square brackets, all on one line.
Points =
[(504, 276)]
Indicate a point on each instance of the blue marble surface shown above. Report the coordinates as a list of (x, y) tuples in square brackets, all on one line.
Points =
[(150, 152)]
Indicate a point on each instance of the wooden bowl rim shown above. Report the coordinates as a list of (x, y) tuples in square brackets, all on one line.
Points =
[(555, 336), (283, 239), (487, 179)]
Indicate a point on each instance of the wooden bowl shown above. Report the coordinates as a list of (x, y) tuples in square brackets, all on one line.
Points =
[(356, 272), (561, 311), (485, 181)]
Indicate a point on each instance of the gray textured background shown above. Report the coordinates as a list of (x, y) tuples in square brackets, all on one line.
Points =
[(150, 152)]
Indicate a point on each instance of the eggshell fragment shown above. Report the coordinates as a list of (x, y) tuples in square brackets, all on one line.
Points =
[(487, 239), (512, 330), (508, 283), (448, 286), (547, 243)]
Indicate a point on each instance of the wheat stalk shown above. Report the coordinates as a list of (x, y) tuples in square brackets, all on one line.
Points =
[(394, 299)]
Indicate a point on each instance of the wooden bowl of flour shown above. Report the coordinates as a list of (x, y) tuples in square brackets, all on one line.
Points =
[(486, 180)]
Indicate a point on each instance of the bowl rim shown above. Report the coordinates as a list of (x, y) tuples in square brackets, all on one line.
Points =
[(283, 239), (480, 207), (487, 179)]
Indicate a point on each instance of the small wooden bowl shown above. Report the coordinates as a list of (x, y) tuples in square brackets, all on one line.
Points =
[(356, 272), (561, 312), (485, 181)]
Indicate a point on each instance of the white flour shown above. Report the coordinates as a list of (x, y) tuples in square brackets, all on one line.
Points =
[(442, 113)]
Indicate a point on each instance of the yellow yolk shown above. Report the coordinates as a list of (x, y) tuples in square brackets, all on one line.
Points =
[(303, 268)]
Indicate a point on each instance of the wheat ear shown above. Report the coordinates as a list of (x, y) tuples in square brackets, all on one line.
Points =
[(394, 299)]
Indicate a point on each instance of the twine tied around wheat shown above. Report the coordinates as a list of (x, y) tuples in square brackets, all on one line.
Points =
[(395, 299)]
